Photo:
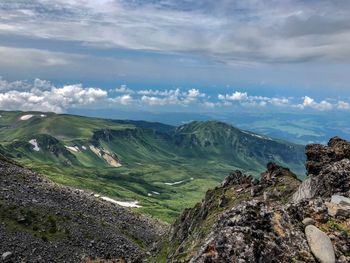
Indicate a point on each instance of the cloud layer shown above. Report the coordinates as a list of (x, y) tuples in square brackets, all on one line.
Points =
[(45, 96), (243, 31)]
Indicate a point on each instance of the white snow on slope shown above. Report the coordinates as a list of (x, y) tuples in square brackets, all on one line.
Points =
[(257, 135), (122, 203), (73, 148), (35, 144), (26, 117), (175, 183)]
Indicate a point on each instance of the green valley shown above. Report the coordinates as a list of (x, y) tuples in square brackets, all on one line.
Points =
[(164, 168)]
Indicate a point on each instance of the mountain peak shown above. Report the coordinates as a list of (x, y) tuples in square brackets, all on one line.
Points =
[(210, 124)]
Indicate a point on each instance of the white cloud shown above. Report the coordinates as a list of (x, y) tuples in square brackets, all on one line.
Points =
[(44, 96), (195, 93), (342, 105), (324, 105), (126, 99), (171, 97), (308, 101), (236, 96), (279, 101), (311, 103), (152, 101), (124, 89), (172, 92), (244, 99)]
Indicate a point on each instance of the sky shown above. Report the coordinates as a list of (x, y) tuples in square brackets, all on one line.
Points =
[(175, 55)]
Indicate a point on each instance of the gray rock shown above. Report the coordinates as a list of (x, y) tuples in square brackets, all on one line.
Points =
[(340, 200), (308, 221), (305, 191), (266, 196), (338, 209), (6, 255), (320, 244)]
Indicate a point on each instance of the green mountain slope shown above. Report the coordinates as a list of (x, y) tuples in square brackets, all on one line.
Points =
[(218, 140), (164, 168)]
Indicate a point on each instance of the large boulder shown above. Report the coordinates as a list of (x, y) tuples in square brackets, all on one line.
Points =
[(320, 244)]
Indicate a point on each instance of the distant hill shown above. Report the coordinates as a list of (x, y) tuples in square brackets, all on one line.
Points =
[(163, 168)]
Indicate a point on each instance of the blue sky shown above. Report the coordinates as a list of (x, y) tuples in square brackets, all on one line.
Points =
[(167, 55)]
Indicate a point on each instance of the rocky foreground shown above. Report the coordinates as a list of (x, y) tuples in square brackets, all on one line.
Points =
[(44, 222), (275, 219)]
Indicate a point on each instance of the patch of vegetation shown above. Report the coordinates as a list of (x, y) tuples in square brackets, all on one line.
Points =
[(33, 220), (333, 225)]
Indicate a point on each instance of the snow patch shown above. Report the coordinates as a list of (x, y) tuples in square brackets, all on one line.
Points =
[(35, 145), (26, 117), (149, 194), (73, 148), (175, 183), (156, 193), (257, 135), (84, 148), (122, 203), (42, 115)]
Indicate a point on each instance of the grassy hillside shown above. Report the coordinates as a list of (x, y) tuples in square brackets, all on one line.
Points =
[(164, 168)]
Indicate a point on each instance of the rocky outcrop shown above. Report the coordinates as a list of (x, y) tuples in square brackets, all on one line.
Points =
[(44, 222), (274, 219), (328, 170), (254, 232)]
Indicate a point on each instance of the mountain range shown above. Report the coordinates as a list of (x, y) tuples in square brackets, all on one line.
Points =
[(156, 168)]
